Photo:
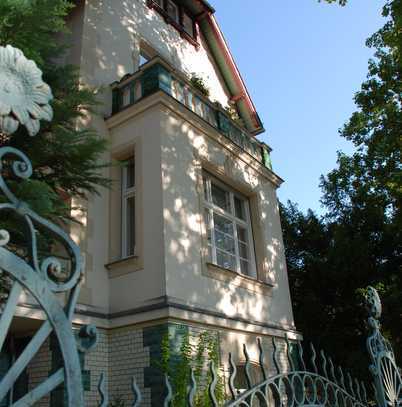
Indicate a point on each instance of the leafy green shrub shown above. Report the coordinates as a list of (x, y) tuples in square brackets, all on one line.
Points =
[(200, 84), (196, 352)]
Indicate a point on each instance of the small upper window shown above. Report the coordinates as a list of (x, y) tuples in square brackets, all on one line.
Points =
[(172, 10), (176, 14), (188, 24)]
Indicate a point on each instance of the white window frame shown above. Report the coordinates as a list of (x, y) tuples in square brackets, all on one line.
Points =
[(126, 194), (246, 224)]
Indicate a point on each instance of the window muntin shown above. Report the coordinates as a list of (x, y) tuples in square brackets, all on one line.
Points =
[(228, 225), (128, 208)]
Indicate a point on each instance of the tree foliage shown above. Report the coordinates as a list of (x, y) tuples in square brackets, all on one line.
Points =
[(333, 258), (340, 2), (66, 158)]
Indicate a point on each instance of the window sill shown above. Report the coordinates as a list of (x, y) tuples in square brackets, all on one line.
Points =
[(124, 266), (239, 280)]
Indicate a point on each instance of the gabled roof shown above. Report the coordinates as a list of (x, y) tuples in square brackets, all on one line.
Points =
[(226, 63)]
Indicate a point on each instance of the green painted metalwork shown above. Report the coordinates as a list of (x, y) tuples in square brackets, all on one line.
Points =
[(157, 77), (385, 372), (42, 278), (293, 387), (287, 387)]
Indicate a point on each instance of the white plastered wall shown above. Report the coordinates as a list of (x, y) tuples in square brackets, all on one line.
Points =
[(113, 32), (172, 233), (185, 150), (106, 38)]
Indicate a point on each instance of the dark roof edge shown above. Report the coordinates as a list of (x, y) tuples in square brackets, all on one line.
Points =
[(233, 71)]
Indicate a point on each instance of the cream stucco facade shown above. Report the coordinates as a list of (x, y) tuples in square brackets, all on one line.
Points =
[(170, 278)]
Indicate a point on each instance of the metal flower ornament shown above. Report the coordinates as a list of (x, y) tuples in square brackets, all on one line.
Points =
[(24, 97), (24, 100)]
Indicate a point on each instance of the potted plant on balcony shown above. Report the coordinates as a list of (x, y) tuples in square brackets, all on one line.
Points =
[(199, 83)]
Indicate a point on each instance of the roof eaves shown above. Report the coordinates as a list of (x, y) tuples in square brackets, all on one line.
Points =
[(240, 93)]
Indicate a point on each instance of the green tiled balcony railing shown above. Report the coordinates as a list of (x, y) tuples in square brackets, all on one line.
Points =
[(156, 76)]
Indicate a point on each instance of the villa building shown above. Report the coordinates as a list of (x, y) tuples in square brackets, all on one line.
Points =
[(188, 239)]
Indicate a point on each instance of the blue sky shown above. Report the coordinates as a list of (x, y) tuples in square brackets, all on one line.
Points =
[(302, 62)]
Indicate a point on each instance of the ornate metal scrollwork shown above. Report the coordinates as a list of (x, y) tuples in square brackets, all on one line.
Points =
[(24, 100), (295, 387), (385, 372)]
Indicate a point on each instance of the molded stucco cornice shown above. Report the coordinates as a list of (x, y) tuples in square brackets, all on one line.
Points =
[(177, 108)]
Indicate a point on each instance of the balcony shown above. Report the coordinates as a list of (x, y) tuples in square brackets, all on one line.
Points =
[(158, 75)]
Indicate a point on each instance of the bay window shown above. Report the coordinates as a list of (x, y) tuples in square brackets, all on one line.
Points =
[(128, 208), (228, 225)]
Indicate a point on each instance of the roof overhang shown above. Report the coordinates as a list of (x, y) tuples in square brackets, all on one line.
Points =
[(197, 6), (226, 63)]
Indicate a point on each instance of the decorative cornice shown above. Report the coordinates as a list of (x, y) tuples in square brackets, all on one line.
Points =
[(161, 97)]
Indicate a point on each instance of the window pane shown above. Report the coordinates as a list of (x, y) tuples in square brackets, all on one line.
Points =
[(159, 3), (245, 267), (188, 24), (126, 96), (225, 260), (220, 198), (179, 91), (172, 11), (243, 250), (130, 174), (205, 181), (239, 208), (207, 219), (199, 108), (224, 242), (223, 225), (130, 227), (242, 234)]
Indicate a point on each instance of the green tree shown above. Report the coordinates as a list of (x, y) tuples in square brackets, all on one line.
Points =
[(66, 157), (357, 243)]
